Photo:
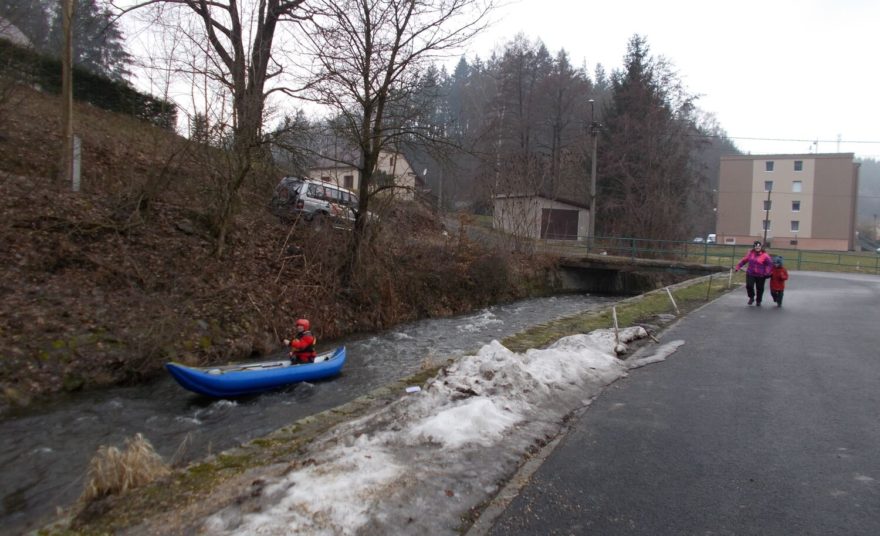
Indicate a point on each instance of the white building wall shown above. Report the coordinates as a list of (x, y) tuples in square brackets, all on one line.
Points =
[(521, 216), (394, 164)]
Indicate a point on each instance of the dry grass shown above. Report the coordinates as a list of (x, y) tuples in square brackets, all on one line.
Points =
[(113, 471)]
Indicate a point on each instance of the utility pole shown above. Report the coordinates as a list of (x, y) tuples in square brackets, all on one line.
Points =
[(66, 171), (594, 134), (767, 215)]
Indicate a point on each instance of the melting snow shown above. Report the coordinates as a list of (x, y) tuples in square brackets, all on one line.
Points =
[(418, 465)]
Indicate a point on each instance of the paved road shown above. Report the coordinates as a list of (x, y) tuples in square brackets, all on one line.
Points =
[(766, 422)]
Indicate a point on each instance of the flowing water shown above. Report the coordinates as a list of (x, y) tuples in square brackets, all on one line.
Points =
[(45, 451)]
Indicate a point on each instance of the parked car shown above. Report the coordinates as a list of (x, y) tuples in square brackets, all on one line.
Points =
[(296, 197), (711, 238), (698, 240)]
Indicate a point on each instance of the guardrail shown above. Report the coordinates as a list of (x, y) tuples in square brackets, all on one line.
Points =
[(716, 254)]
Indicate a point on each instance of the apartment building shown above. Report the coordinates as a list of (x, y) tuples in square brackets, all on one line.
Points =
[(804, 201)]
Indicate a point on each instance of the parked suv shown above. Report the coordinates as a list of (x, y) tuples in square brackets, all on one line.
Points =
[(298, 197)]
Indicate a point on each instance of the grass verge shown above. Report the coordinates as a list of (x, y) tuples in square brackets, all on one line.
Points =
[(641, 309)]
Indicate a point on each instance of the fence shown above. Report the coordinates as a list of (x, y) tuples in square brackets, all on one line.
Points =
[(716, 254)]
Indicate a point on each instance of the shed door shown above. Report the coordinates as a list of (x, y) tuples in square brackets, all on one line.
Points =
[(559, 224)]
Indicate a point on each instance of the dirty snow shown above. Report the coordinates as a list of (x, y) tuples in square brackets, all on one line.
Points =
[(419, 465)]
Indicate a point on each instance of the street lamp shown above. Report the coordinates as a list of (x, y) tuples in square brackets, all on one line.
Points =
[(594, 134), (767, 214)]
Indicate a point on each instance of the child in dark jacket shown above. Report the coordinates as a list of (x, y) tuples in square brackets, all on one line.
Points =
[(778, 277)]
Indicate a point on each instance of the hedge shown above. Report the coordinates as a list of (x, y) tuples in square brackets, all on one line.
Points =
[(35, 69)]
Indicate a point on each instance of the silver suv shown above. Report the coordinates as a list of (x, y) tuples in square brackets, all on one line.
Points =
[(296, 197)]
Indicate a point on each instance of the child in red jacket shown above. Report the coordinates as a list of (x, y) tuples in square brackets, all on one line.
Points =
[(778, 277)]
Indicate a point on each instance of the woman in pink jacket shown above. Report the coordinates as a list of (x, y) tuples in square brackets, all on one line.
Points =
[(760, 266)]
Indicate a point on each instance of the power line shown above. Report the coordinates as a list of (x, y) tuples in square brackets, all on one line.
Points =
[(814, 140)]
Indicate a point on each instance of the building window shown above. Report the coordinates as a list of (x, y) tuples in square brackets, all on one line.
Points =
[(348, 181), (768, 186), (795, 226), (795, 206), (767, 204), (768, 165), (797, 187), (766, 225), (798, 165)]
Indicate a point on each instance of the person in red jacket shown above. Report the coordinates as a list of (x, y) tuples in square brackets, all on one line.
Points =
[(759, 267), (777, 280), (302, 346)]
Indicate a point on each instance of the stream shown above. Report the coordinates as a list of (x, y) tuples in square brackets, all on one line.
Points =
[(45, 449)]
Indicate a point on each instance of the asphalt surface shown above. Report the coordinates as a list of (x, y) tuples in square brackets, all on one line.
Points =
[(766, 422)]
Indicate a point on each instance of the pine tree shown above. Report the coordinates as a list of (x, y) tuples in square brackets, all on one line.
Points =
[(97, 40), (646, 173)]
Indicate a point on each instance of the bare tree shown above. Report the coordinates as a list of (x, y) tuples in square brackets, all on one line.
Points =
[(368, 57), (237, 39)]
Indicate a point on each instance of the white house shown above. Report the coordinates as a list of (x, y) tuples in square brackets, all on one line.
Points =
[(391, 164), (535, 216), (11, 33)]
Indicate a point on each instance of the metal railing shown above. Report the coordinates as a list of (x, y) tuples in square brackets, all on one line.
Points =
[(705, 253)]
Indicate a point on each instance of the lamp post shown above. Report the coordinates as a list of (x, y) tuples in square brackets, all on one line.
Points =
[(594, 134), (66, 171), (767, 214)]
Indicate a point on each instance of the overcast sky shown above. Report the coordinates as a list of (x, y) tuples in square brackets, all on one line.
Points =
[(794, 70), (771, 69)]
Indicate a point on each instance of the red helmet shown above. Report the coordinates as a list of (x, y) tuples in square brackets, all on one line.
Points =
[(303, 322)]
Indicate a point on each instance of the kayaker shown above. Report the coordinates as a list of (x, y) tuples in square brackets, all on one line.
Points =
[(302, 347)]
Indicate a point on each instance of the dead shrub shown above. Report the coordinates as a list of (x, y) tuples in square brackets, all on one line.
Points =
[(113, 471)]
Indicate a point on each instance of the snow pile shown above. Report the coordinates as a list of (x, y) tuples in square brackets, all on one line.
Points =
[(419, 464)]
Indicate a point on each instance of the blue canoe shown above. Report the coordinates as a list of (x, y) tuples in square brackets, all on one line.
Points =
[(250, 378)]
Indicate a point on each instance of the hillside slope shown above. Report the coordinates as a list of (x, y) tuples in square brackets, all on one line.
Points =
[(105, 285)]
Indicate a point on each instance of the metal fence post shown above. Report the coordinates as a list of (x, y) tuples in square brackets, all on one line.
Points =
[(799, 259)]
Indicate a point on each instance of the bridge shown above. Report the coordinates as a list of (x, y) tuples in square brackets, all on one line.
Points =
[(609, 274)]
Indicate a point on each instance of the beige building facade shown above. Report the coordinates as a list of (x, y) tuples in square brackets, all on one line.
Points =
[(803, 201), (391, 164)]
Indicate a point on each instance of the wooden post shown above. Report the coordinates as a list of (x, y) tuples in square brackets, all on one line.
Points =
[(616, 333), (674, 305), (66, 171)]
